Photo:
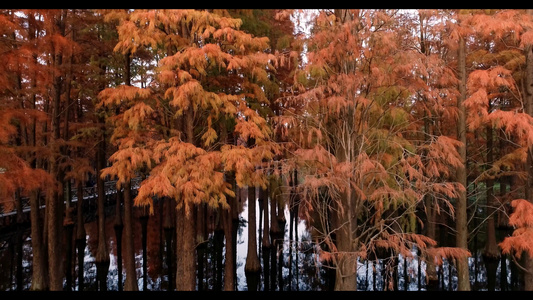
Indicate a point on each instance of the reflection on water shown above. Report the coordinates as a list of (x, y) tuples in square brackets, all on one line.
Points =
[(299, 267), (152, 270)]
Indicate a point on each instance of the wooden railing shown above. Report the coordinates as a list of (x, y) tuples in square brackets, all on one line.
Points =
[(88, 193)]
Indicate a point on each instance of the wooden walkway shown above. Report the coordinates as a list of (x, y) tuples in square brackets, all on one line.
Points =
[(89, 193)]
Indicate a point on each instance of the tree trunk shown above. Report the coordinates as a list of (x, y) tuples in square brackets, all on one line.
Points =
[(186, 262), (295, 212), (229, 266), (491, 252), (430, 228), (80, 235), (276, 233), (265, 240), (346, 264), (102, 253), (201, 243), (186, 228), (119, 229), (169, 229), (463, 277), (252, 266), (39, 281), (528, 275), (129, 256), (227, 226), (144, 239), (54, 249), (53, 205)]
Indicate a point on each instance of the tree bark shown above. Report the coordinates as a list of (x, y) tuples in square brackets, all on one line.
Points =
[(119, 229), (169, 227), (39, 280), (102, 253), (129, 256), (80, 235), (252, 266), (186, 228), (491, 252), (54, 196), (430, 227), (227, 219), (201, 243), (463, 277), (266, 245), (346, 260), (186, 261)]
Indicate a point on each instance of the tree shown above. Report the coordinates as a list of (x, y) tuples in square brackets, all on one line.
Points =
[(434, 108), (12, 101), (360, 166), (461, 204), (520, 124), (47, 60), (496, 61), (494, 97), (203, 52)]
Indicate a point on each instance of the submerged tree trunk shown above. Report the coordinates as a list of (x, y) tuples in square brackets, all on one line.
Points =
[(252, 266), (266, 245), (144, 239), (169, 230), (276, 233), (129, 256), (80, 240), (69, 238), (201, 243), (230, 237), (119, 228), (229, 257)]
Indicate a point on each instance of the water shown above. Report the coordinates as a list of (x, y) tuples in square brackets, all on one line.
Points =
[(307, 273)]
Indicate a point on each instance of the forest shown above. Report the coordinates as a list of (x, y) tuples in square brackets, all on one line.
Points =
[(392, 135)]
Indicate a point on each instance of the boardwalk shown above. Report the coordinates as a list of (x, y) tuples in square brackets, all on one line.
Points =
[(89, 193)]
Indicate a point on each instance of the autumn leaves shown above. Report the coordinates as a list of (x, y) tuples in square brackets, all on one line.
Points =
[(209, 75)]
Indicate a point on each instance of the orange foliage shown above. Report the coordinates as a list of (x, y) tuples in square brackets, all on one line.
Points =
[(187, 173), (522, 219), (121, 94), (438, 254), (17, 175), (207, 43)]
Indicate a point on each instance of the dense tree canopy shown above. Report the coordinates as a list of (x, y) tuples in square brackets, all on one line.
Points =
[(391, 133)]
